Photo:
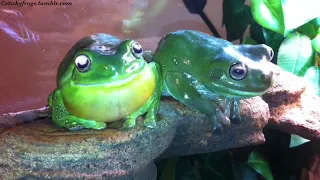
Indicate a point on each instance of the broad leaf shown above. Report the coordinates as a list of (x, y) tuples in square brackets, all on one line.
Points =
[(243, 171), (256, 33), (236, 18), (273, 39), (215, 165), (169, 170), (260, 165), (268, 13), (185, 169), (316, 43), (283, 16), (313, 76), (297, 13), (310, 29), (296, 54), (297, 140)]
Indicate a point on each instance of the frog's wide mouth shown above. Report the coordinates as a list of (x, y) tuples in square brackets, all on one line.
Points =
[(242, 93), (120, 81)]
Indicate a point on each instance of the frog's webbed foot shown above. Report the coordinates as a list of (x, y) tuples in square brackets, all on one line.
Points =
[(181, 88)]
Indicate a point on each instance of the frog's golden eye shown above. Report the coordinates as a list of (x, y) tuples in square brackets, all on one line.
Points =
[(136, 50), (83, 63), (238, 71)]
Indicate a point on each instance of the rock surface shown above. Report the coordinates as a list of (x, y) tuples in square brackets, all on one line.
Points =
[(37, 148), (294, 106), (40, 149)]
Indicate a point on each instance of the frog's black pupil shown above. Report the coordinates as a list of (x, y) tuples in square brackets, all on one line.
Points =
[(81, 66), (238, 72)]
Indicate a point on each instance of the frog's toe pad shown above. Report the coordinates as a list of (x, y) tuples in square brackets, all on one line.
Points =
[(225, 122), (129, 123), (236, 120), (76, 128), (150, 124), (100, 126), (217, 129)]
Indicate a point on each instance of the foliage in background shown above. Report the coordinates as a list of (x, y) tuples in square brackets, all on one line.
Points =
[(279, 158), (294, 34), (292, 29)]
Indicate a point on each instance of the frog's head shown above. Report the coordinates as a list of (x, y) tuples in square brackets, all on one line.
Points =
[(101, 59), (242, 71)]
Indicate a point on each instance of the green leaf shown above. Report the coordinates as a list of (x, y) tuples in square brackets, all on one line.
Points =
[(296, 54), (268, 13), (316, 43), (260, 165), (236, 17), (310, 29), (297, 140), (248, 40), (297, 12), (313, 76), (283, 16), (185, 169), (243, 171), (316, 22), (256, 33), (273, 39), (168, 171), (215, 165)]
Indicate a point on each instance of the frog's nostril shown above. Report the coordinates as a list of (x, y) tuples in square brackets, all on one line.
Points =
[(266, 77)]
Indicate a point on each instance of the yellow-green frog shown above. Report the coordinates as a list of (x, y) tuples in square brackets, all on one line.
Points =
[(101, 80), (197, 68)]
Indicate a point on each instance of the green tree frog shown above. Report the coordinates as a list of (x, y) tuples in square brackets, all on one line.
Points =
[(200, 71), (101, 80)]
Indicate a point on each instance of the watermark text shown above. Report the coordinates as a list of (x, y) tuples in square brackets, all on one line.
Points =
[(31, 4)]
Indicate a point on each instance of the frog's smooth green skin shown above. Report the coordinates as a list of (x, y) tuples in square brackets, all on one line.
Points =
[(103, 79), (198, 68)]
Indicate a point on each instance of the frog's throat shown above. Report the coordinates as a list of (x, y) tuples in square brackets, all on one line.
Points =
[(118, 82)]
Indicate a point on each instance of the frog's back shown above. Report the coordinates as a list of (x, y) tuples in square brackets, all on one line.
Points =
[(187, 49)]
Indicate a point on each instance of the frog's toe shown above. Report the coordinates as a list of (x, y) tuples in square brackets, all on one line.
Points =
[(100, 125), (150, 122), (225, 122), (76, 127), (217, 129), (129, 123), (236, 120), (220, 123)]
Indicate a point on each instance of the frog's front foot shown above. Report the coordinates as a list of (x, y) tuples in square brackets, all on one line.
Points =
[(235, 112), (150, 121), (220, 122), (129, 123)]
